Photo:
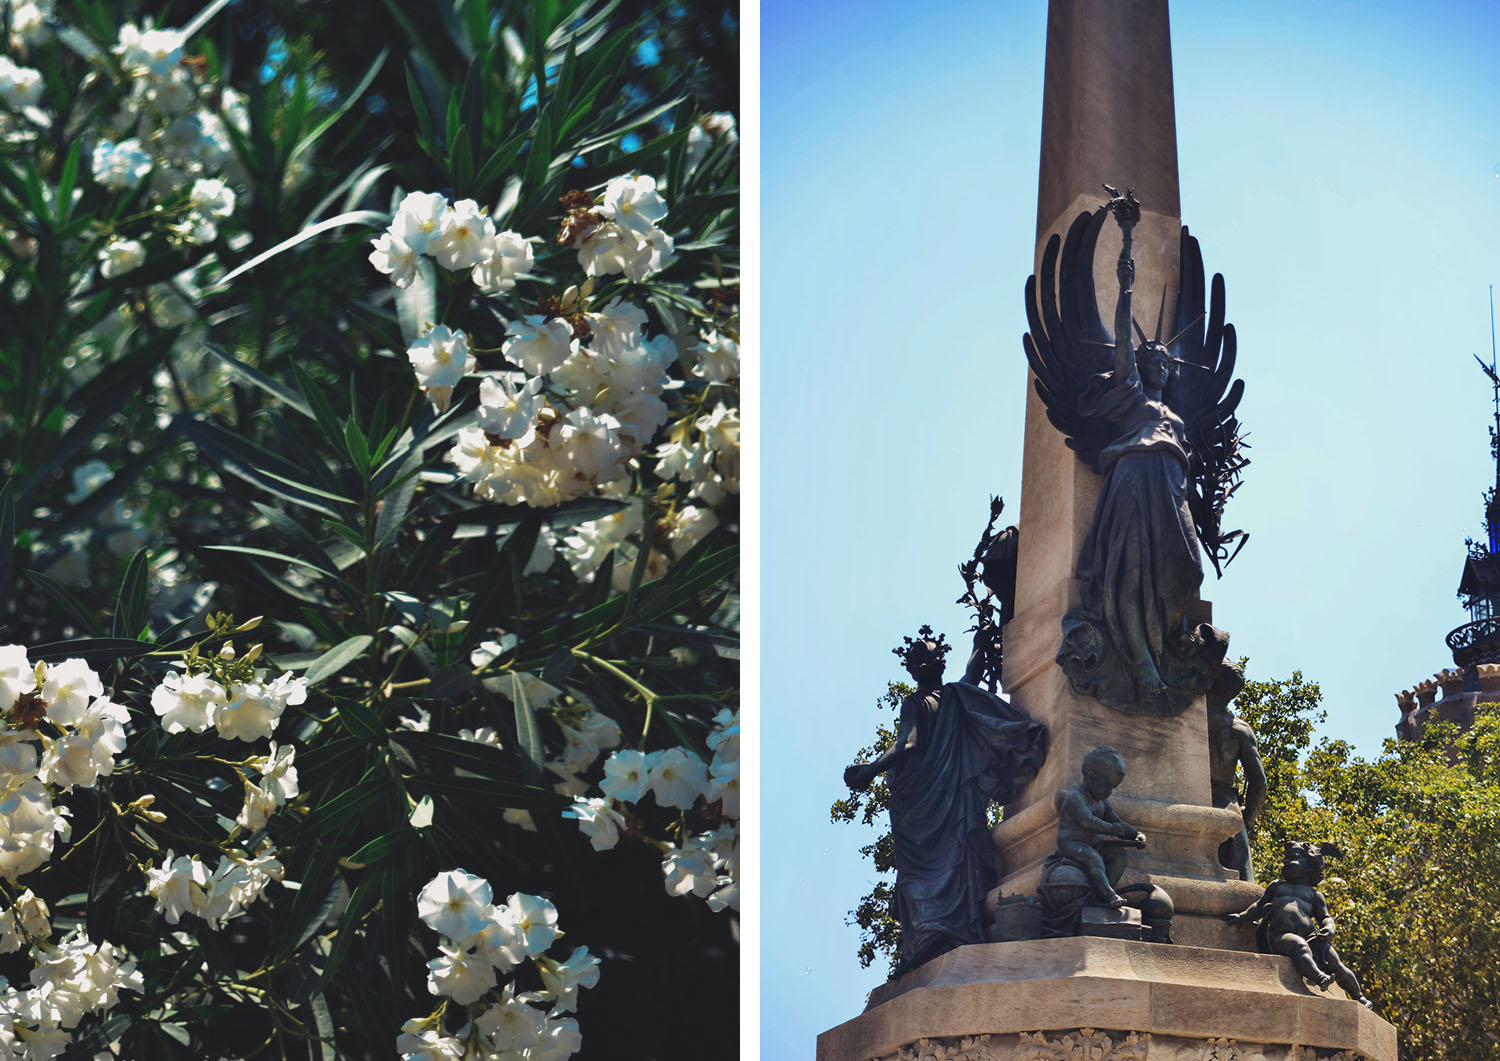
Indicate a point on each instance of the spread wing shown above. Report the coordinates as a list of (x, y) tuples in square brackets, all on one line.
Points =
[(1068, 342), (1206, 399)]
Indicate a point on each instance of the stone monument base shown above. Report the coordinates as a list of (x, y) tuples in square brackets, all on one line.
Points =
[(1093, 999)]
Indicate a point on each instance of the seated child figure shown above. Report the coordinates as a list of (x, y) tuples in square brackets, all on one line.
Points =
[(1086, 822), (1296, 920)]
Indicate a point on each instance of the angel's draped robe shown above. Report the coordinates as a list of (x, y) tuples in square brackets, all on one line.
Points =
[(1133, 641), (973, 748)]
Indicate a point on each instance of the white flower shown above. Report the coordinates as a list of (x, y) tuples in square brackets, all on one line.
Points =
[(532, 919), (187, 701), (120, 256), (591, 444), (257, 873), (652, 255), (151, 52), (20, 86), (563, 979), (605, 250), (634, 204), (465, 237), (417, 1043), (259, 806), (678, 777), (418, 218), (690, 869), (171, 884), (511, 1026), (212, 196), (67, 689), (506, 410), (394, 258), (617, 327), (17, 676), (461, 976), (279, 773), (441, 357), (718, 358), (81, 757), (598, 820), (25, 921), (121, 165), (539, 344), (512, 255), (255, 708), (709, 131), (592, 734), (560, 1040), (627, 774), (455, 904)]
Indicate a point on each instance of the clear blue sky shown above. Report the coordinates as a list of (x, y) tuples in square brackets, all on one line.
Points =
[(1337, 164)]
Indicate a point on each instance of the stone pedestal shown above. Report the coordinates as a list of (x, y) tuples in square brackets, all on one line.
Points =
[(1090, 999)]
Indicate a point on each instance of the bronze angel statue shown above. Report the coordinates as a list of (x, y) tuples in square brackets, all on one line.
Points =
[(1157, 422)]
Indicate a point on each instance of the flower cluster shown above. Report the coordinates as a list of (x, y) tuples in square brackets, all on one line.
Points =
[(617, 232), (707, 864), (60, 732), (185, 885), (481, 939), (244, 710), (458, 236), (570, 421), (70, 980), (172, 131)]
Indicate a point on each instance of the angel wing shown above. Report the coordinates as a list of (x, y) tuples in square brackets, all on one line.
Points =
[(1067, 342), (1206, 400)]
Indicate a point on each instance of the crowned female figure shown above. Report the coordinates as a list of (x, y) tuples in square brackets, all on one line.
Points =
[(958, 748)]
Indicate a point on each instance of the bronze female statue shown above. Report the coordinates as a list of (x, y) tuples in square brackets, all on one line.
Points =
[(958, 748), (1167, 449)]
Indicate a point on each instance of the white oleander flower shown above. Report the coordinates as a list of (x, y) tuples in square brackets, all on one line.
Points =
[(26, 921), (563, 979), (394, 258), (186, 702), (441, 357), (122, 165), (634, 204), (508, 411), (511, 1026), (20, 86), (81, 757), (627, 775), (151, 52), (465, 237), (617, 327), (461, 976), (67, 688), (17, 675), (708, 132), (718, 358), (120, 256), (678, 777), (455, 904), (418, 219), (532, 920), (690, 869), (539, 344), (212, 196), (511, 256), (559, 1040), (598, 820), (255, 707)]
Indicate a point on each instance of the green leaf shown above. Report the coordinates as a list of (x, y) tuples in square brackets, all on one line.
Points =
[(317, 131), (356, 446), (353, 217), (130, 605), (64, 597), (259, 379), (66, 181), (91, 648), (338, 657), (528, 735)]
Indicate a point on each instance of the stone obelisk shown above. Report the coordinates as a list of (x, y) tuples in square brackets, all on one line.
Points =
[(1107, 118)]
